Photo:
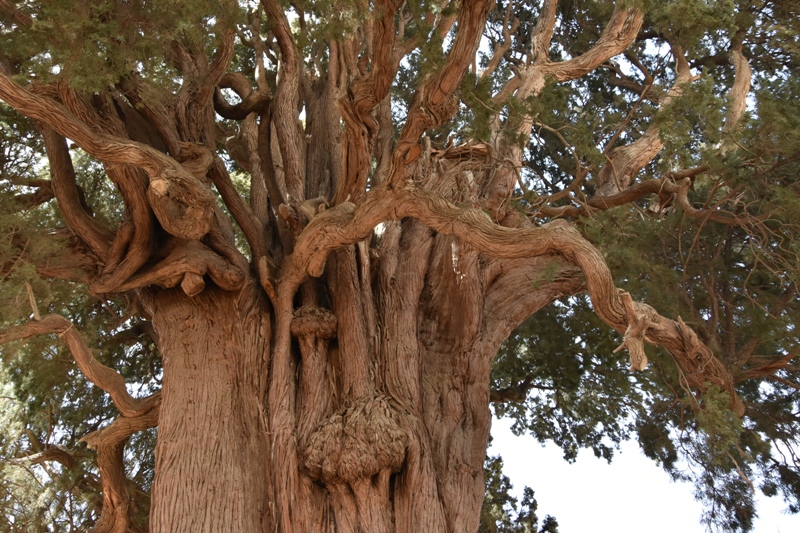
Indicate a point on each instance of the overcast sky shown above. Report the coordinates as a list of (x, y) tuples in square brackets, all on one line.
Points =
[(631, 495)]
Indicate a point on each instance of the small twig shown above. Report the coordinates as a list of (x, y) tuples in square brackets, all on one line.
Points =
[(742, 474), (32, 300)]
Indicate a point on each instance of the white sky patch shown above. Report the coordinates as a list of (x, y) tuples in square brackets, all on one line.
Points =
[(630, 495)]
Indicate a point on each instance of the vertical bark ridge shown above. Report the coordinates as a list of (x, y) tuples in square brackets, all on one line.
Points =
[(456, 393), (323, 158), (355, 355), (405, 250), (287, 98), (212, 427), (313, 328)]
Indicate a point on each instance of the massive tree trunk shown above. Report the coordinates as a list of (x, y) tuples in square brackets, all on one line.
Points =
[(391, 397), (211, 465)]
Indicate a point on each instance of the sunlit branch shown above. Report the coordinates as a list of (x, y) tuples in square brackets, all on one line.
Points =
[(624, 162), (737, 96), (637, 321)]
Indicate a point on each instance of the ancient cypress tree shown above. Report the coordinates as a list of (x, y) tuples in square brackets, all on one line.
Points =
[(292, 237)]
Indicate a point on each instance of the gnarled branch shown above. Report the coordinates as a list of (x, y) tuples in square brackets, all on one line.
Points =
[(343, 226), (183, 205)]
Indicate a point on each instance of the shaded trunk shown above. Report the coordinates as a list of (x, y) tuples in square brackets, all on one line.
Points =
[(212, 463)]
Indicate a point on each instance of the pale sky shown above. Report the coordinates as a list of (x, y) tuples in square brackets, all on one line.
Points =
[(631, 495)]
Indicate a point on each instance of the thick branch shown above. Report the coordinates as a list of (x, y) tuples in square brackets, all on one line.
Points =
[(530, 80), (44, 191), (363, 96), (110, 445), (617, 36), (737, 96), (433, 102), (133, 243), (615, 39), (65, 188), (186, 263), (474, 228), (252, 101), (543, 32), (340, 226), (287, 98), (676, 183), (52, 453), (624, 162), (251, 226), (102, 376), (182, 204), (518, 288)]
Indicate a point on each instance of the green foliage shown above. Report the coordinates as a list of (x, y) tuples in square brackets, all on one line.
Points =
[(95, 44), (476, 95), (691, 21), (581, 395), (45, 401)]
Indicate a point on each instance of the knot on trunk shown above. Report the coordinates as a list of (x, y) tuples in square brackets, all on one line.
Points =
[(182, 204), (357, 442), (312, 321), (196, 159)]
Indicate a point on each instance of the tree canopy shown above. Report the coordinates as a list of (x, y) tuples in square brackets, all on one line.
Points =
[(608, 189)]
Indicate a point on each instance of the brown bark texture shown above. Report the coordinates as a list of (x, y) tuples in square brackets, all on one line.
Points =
[(330, 370)]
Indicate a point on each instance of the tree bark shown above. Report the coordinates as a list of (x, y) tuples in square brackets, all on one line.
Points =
[(212, 464)]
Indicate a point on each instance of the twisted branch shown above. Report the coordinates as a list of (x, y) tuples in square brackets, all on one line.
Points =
[(102, 376), (339, 226), (182, 204)]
